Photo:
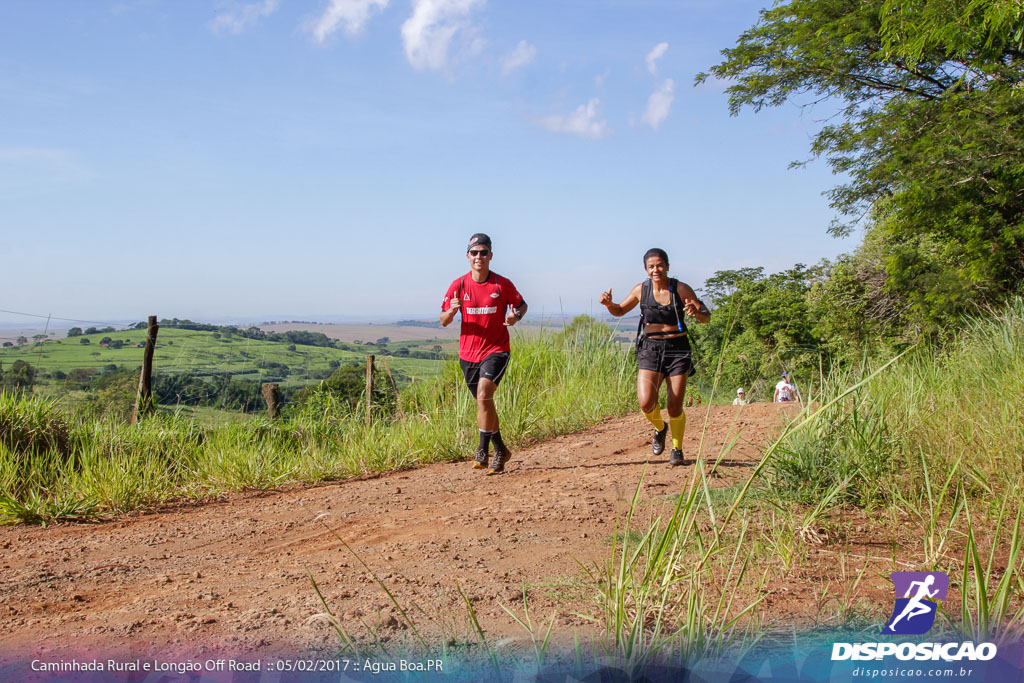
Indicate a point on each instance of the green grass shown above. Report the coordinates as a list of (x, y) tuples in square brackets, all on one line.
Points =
[(935, 443), (938, 413), (51, 455)]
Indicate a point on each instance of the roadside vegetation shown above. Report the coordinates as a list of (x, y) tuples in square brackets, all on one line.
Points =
[(58, 464)]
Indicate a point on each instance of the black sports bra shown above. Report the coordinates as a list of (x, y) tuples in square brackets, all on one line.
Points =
[(654, 313)]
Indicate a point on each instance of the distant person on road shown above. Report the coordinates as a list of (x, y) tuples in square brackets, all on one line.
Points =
[(662, 351), (785, 390), (741, 398), (489, 304)]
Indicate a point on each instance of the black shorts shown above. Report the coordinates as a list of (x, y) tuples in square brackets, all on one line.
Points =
[(670, 357), (492, 367)]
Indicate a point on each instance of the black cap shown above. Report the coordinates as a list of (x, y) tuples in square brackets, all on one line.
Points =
[(477, 239)]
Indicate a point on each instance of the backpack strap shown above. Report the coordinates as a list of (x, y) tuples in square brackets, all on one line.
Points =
[(644, 288), (672, 282), (462, 282)]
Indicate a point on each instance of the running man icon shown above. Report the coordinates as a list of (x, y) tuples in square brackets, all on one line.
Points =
[(914, 613)]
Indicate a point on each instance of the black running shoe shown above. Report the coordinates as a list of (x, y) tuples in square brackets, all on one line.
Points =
[(675, 458), (480, 461), (658, 442), (501, 456)]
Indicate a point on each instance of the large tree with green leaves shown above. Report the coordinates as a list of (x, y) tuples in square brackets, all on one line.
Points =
[(930, 133), (760, 327)]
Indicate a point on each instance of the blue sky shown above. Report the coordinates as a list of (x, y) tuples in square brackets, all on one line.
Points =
[(300, 160)]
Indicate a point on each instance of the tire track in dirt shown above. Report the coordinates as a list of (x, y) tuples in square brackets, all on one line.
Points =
[(234, 576)]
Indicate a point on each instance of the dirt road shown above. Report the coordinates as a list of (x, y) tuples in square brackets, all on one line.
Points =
[(234, 576)]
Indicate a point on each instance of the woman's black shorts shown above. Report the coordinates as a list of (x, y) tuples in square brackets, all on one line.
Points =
[(492, 367), (670, 357)]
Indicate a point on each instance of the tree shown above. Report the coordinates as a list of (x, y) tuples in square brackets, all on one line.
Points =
[(762, 320), (19, 378), (113, 394), (929, 132), (75, 332), (348, 384), (84, 340), (22, 340)]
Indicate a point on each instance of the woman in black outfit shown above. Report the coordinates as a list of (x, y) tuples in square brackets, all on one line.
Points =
[(663, 351)]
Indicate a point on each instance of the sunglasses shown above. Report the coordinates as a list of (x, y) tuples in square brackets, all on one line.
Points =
[(479, 252)]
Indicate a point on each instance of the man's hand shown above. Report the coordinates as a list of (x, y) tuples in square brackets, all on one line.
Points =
[(606, 298), (511, 318), (453, 308)]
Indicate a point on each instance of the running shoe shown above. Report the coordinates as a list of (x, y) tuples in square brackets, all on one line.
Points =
[(658, 442), (480, 461), (675, 458), (501, 456)]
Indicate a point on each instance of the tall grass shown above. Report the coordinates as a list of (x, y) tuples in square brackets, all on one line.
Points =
[(49, 459), (939, 412), (667, 592), (939, 441)]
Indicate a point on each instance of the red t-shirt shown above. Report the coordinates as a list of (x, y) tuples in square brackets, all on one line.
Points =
[(483, 309)]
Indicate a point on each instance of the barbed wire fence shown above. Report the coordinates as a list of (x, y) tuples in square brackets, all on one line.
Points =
[(204, 364)]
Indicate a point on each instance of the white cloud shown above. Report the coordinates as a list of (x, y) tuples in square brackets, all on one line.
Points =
[(659, 104), (654, 55), (238, 18), (585, 121), (353, 14), (428, 33), (523, 54)]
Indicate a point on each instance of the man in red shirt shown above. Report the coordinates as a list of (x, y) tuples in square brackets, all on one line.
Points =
[(484, 299)]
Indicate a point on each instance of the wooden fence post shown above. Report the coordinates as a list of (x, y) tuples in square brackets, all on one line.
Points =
[(144, 396), (369, 387), (272, 395)]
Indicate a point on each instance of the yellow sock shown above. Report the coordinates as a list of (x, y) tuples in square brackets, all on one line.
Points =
[(654, 417), (678, 425)]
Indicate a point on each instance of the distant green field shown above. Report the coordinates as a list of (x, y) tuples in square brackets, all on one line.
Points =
[(202, 353)]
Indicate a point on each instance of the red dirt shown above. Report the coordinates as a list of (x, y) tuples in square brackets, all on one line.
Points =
[(233, 576)]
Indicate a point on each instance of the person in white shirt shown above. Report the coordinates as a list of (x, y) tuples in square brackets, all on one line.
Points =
[(741, 398), (785, 390)]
